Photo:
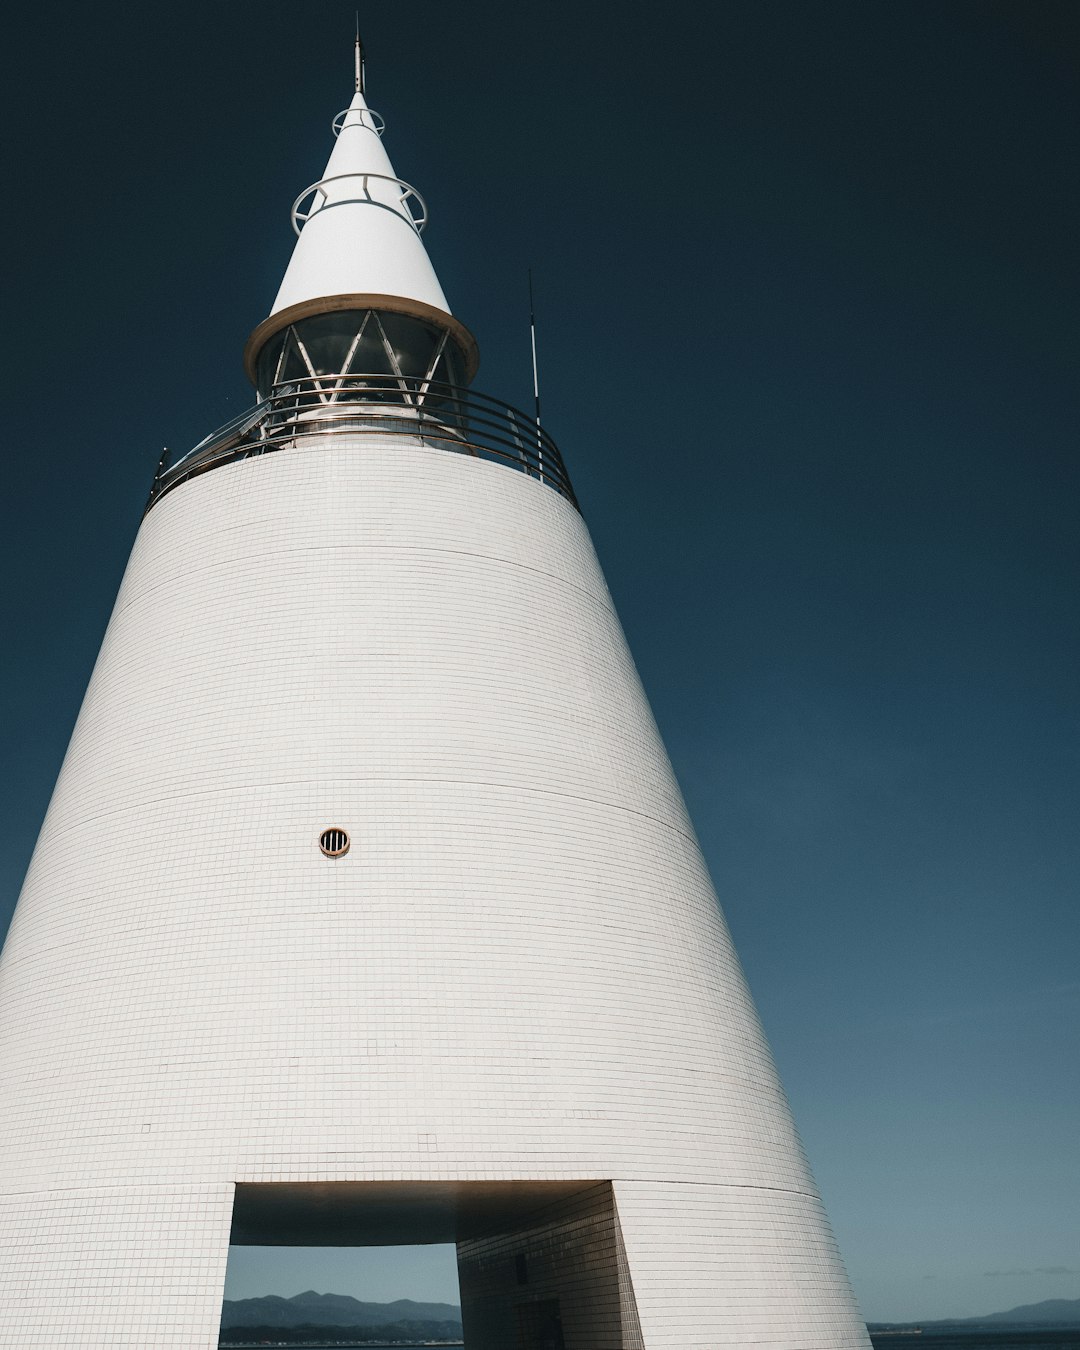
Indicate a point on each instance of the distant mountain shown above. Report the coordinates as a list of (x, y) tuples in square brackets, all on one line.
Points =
[(331, 1310), (1059, 1310), (1052, 1312)]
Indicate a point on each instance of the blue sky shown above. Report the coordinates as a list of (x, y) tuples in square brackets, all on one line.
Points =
[(806, 282)]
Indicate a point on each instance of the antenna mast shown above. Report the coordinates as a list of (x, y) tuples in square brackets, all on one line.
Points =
[(536, 380), (532, 335), (359, 53)]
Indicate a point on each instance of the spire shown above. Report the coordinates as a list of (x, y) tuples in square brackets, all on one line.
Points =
[(359, 256), (359, 225)]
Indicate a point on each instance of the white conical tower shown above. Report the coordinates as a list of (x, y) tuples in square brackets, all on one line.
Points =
[(367, 908)]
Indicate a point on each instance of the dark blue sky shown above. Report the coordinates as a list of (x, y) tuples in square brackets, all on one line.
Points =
[(807, 283)]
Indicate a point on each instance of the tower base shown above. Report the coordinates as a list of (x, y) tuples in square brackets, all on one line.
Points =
[(543, 1266), (114, 1268)]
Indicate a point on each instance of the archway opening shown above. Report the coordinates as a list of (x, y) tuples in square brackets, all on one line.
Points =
[(538, 1263)]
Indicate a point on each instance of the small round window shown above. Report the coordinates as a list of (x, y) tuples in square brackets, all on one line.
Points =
[(334, 843)]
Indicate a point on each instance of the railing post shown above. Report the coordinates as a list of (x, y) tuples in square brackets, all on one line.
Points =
[(159, 472), (517, 439)]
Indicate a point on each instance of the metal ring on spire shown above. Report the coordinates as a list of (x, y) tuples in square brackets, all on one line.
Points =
[(377, 123), (408, 195)]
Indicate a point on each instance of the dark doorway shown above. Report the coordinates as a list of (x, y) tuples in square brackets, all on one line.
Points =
[(540, 1325)]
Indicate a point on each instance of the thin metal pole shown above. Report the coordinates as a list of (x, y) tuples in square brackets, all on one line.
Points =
[(359, 55), (536, 378)]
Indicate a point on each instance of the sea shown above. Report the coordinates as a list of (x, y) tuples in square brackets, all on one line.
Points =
[(1010, 1338)]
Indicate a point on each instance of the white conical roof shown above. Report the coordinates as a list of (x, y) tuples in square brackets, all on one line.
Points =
[(360, 238)]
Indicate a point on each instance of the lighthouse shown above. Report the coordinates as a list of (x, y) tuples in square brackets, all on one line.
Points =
[(367, 909)]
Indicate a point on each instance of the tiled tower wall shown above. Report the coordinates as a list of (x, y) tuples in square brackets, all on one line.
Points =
[(519, 969), (563, 1260)]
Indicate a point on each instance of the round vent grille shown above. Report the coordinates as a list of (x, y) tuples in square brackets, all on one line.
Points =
[(334, 843)]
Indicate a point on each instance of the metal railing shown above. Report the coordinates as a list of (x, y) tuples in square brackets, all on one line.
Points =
[(408, 204), (422, 412)]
